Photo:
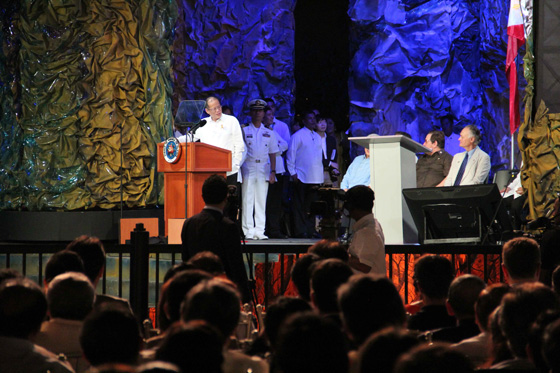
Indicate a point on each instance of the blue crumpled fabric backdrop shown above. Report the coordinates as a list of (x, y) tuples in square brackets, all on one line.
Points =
[(416, 62), (237, 51)]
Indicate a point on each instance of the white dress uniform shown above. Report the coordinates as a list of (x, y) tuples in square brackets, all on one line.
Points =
[(260, 142)]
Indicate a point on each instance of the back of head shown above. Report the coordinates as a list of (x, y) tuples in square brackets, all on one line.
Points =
[(179, 267), (522, 258), (62, 262), (194, 347), (433, 275), (278, 312), (463, 293), (488, 300), (178, 287), (301, 275), (91, 250), (70, 296), (110, 334), (520, 309), (551, 346), (326, 277), (8, 273), (209, 262), (23, 307), (359, 197), (536, 338), (381, 350), (370, 303), (215, 302), (214, 190), (308, 343), (326, 249), (434, 358)]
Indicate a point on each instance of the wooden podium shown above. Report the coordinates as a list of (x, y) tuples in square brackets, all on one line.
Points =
[(202, 160), (392, 168)]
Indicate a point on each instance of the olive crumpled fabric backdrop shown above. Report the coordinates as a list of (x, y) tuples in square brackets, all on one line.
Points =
[(87, 89), (95, 86)]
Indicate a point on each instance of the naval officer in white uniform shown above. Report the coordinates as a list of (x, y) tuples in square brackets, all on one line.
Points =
[(258, 170)]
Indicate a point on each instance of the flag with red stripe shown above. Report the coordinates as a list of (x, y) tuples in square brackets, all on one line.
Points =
[(516, 38)]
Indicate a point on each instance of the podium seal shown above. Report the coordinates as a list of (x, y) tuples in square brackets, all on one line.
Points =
[(171, 150)]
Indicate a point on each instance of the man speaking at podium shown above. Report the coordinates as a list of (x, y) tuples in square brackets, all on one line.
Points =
[(223, 131)]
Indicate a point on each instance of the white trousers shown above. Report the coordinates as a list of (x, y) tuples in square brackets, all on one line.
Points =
[(255, 189)]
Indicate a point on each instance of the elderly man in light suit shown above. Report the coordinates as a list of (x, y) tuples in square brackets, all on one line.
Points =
[(471, 166)]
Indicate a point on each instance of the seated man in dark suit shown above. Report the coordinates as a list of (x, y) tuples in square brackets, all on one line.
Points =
[(211, 231)]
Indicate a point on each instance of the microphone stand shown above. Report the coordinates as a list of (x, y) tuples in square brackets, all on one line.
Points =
[(191, 132)]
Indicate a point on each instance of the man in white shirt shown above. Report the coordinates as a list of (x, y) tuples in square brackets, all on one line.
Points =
[(367, 245), (259, 170), (274, 199), (223, 131), (473, 165), (305, 165)]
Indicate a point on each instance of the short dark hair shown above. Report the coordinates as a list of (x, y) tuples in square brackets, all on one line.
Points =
[(8, 273), (62, 262), (326, 249), (300, 275), (488, 300), (435, 358), (520, 310), (70, 296), (463, 293), (207, 261), (92, 252), (326, 277), (23, 307), (403, 133), (438, 136), (215, 302), (382, 349), (110, 334), (433, 275), (370, 303), (475, 132), (194, 347), (178, 288), (359, 197), (214, 190), (309, 343), (278, 312), (521, 257)]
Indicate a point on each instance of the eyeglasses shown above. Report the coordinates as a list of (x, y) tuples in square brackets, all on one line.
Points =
[(215, 109)]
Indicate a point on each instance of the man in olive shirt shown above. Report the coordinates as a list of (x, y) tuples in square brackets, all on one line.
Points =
[(432, 168)]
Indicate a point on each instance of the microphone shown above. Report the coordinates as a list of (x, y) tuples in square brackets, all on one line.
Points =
[(200, 124)]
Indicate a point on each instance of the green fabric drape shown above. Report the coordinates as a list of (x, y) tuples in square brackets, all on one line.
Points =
[(95, 80)]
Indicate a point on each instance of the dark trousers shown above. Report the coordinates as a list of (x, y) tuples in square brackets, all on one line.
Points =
[(303, 197), (274, 207), (234, 201)]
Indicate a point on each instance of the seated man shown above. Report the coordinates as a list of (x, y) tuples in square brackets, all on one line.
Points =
[(432, 168), (471, 166), (358, 171), (367, 245), (23, 307)]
